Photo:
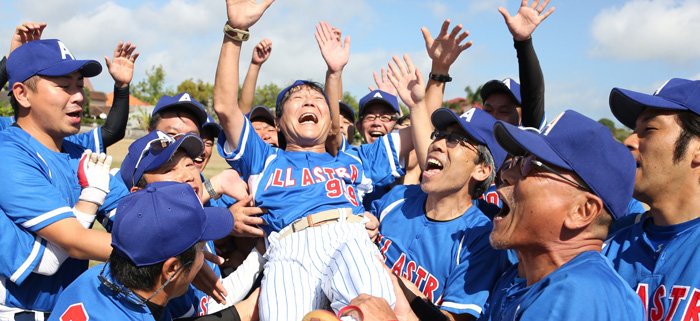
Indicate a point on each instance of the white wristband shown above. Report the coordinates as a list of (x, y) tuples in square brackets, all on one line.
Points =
[(93, 195), (85, 220)]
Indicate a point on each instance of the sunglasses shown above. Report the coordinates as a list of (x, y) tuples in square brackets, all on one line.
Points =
[(130, 295), (526, 162), (157, 144), (452, 139)]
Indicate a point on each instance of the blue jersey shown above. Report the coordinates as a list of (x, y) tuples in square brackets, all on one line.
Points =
[(585, 288), (292, 185), (659, 263), (88, 299), (40, 187), (451, 262), (506, 290), (90, 140), (634, 215)]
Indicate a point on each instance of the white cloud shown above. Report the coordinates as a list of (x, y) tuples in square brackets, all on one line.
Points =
[(648, 29)]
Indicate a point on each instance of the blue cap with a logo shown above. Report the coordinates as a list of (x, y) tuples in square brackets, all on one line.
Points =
[(577, 143), (163, 220), (675, 94), (508, 86), (185, 100), (479, 126), (47, 57), (153, 150), (215, 127), (379, 97)]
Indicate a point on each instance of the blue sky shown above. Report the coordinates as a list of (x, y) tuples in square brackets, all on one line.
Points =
[(585, 47)]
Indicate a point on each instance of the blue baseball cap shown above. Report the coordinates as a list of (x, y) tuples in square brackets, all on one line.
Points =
[(278, 110), (262, 112), (163, 220), (577, 143), (507, 85), (379, 97), (347, 110), (153, 150), (211, 123), (479, 126), (185, 100), (675, 94), (48, 57)]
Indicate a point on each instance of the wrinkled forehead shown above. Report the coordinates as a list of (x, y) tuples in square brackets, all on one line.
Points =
[(304, 89)]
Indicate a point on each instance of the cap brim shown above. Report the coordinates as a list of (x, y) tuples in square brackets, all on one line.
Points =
[(494, 86), (627, 105), (443, 118), (87, 68), (519, 142), (219, 223), (378, 101), (350, 113), (191, 143), (260, 112)]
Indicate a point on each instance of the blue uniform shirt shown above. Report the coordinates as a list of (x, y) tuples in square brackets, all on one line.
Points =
[(585, 288), (39, 188), (90, 140), (507, 289), (88, 299), (451, 262), (659, 263), (292, 185)]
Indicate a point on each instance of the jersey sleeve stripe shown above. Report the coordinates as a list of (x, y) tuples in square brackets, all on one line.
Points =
[(97, 140), (459, 251), (25, 265), (389, 209), (460, 306), (390, 155), (244, 140), (48, 215)]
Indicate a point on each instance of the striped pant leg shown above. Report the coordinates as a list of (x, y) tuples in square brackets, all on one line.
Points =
[(289, 287), (353, 269)]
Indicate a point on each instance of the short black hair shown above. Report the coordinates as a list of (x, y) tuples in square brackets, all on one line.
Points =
[(690, 128), (313, 85), (124, 271), (31, 84), (178, 110)]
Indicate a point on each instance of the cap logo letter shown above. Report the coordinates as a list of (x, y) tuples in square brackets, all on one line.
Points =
[(185, 97), (507, 82), (377, 95), (551, 125), (64, 51), (468, 115)]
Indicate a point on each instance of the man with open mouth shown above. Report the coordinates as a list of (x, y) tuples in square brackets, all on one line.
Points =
[(560, 193)]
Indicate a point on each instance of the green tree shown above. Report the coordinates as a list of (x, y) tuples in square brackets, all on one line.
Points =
[(202, 92), (6, 109), (86, 105), (474, 96), (620, 134), (352, 101), (266, 95), (153, 87)]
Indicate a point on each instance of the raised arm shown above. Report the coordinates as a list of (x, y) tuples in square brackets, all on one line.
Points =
[(121, 68), (443, 51), (261, 52), (410, 86), (24, 33), (521, 26), (242, 14), (336, 55)]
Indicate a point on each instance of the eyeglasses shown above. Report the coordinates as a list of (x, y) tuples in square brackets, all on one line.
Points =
[(526, 163), (130, 295), (452, 139), (157, 144), (383, 118)]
